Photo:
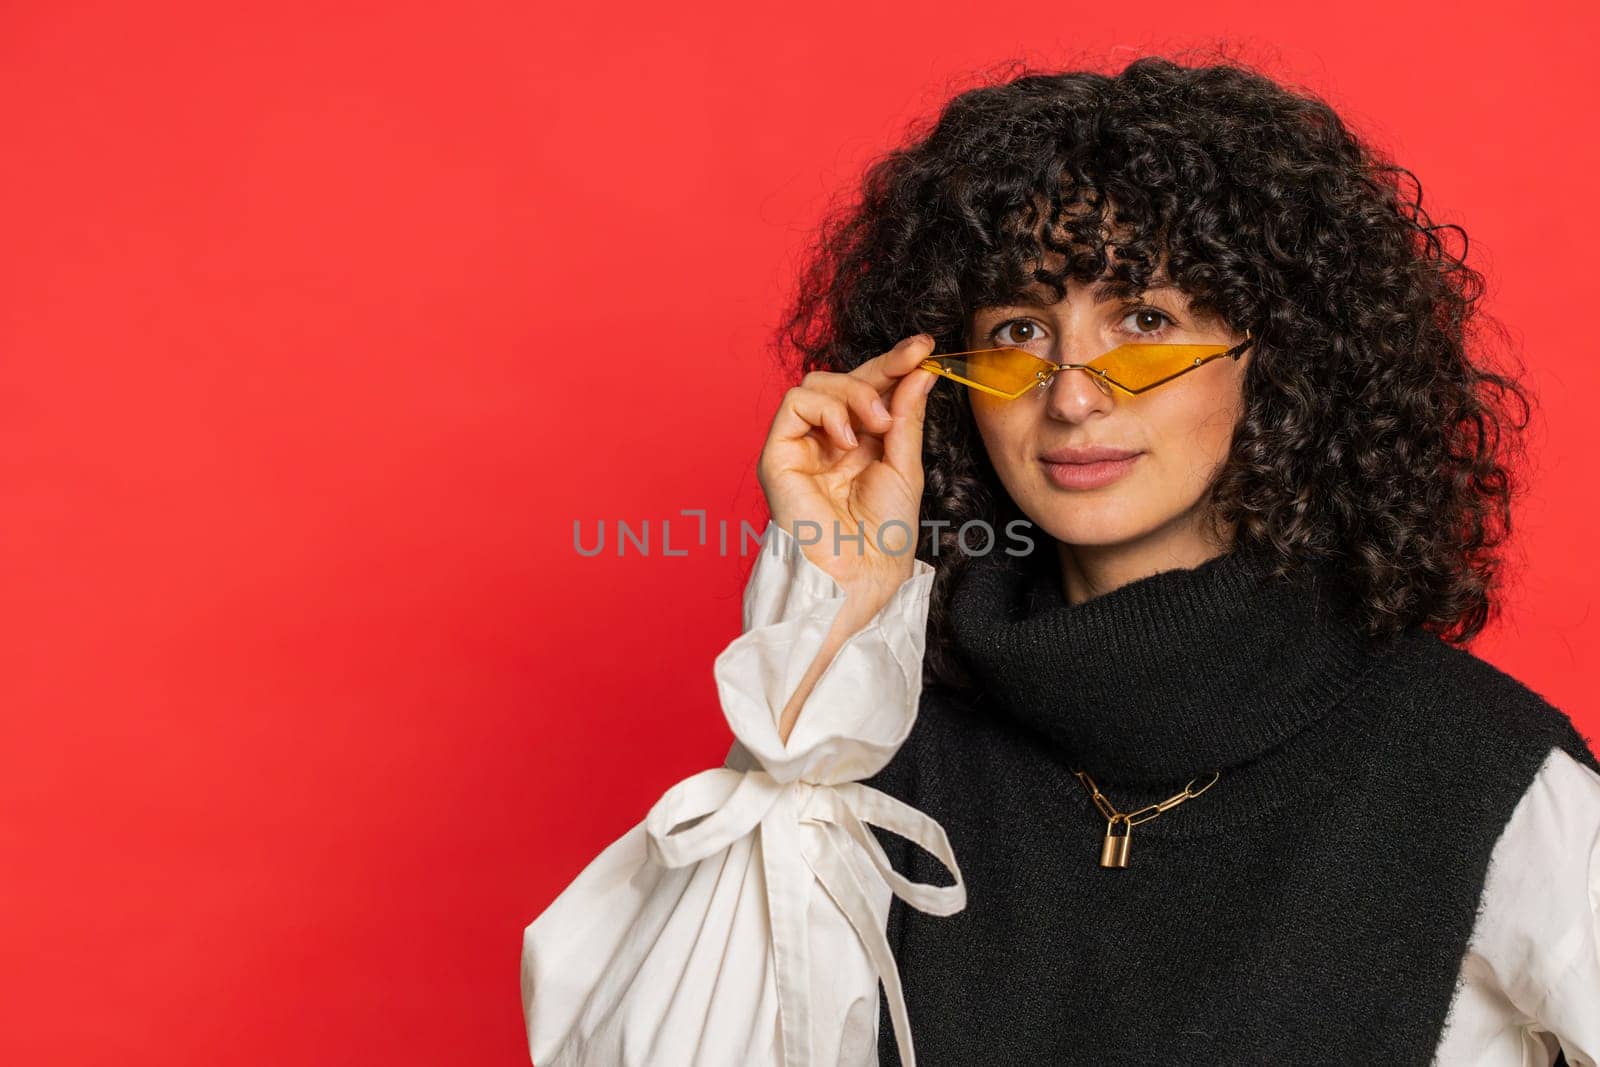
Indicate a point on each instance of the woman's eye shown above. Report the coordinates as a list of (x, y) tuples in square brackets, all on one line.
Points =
[(1148, 320), (1015, 332)]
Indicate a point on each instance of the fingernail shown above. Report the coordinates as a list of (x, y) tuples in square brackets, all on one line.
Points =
[(879, 410), (850, 435)]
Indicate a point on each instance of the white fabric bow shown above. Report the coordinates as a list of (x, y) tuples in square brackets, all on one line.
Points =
[(732, 803)]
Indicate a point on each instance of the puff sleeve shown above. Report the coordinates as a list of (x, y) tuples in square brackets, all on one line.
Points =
[(742, 921), (1530, 983)]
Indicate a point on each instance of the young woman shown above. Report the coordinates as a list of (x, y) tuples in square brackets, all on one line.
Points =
[(1207, 480)]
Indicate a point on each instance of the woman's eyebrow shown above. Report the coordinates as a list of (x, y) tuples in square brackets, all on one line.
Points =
[(1106, 291), (1103, 292), (1022, 300)]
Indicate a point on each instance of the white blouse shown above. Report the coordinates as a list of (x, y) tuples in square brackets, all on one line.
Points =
[(742, 922)]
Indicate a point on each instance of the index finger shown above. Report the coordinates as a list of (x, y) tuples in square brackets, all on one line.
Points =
[(883, 371)]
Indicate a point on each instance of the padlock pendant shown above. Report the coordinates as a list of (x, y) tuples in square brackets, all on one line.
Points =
[(1114, 851)]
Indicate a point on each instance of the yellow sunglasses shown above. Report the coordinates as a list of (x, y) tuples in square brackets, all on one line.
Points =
[(1132, 368)]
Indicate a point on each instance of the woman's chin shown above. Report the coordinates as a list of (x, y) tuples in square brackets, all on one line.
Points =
[(1100, 524)]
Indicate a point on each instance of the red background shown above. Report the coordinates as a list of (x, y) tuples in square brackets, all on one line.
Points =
[(319, 326)]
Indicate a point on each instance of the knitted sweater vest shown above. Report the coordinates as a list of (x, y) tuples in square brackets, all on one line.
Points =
[(1311, 906)]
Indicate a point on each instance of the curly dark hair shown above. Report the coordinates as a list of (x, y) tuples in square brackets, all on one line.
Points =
[(1372, 442)]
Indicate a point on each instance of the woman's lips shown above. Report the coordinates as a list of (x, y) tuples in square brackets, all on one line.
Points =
[(1089, 475)]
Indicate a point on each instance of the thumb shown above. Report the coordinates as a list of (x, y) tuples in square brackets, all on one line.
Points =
[(902, 445)]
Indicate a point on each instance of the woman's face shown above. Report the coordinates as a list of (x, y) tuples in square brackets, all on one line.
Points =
[(1179, 432)]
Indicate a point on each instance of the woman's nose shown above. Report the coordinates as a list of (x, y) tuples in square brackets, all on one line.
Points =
[(1073, 391), (1085, 375)]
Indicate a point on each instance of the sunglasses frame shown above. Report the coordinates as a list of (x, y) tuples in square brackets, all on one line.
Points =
[(1046, 375)]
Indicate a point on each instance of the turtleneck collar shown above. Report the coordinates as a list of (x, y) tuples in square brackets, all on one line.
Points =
[(1168, 677)]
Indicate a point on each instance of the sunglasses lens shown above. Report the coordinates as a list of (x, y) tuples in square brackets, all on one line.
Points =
[(1010, 371), (1136, 367)]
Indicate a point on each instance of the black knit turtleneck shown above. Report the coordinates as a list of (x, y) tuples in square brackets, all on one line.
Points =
[(1181, 672), (1311, 906)]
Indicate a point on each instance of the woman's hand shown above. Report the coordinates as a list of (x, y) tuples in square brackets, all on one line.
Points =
[(840, 456)]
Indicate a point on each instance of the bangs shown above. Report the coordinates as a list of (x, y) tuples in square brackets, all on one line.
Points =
[(1118, 245)]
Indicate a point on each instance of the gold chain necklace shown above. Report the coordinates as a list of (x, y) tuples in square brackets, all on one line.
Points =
[(1114, 852)]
